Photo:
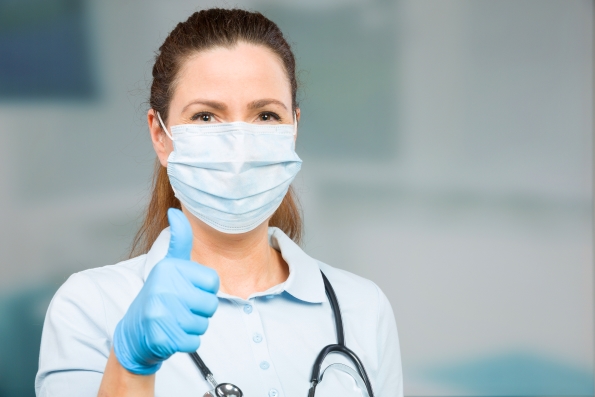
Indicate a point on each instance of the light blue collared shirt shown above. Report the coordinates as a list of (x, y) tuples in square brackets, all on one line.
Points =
[(265, 344)]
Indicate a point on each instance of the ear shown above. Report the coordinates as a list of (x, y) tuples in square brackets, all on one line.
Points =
[(161, 143)]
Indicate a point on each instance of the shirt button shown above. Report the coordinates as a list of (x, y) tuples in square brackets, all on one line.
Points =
[(257, 338), (273, 393), (247, 309), (265, 365)]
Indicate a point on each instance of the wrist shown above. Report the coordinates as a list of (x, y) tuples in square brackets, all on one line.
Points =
[(129, 358), (117, 381)]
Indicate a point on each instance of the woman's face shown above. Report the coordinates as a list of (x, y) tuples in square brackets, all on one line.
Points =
[(244, 83)]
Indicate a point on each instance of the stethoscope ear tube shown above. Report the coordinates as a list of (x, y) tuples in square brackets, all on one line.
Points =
[(316, 369), (332, 297)]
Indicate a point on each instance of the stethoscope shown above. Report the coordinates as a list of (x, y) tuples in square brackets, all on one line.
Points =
[(230, 390)]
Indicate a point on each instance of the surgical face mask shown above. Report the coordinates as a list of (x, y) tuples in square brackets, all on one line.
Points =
[(232, 176)]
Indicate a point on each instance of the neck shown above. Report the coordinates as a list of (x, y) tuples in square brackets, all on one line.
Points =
[(245, 262)]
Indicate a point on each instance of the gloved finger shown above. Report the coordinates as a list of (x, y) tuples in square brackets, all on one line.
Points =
[(198, 275), (164, 325), (193, 324), (200, 302), (174, 315), (161, 338), (180, 242), (189, 343), (166, 339)]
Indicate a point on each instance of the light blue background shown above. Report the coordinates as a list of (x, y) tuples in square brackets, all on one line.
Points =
[(447, 151)]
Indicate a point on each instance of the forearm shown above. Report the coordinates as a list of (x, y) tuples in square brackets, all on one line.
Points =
[(118, 382)]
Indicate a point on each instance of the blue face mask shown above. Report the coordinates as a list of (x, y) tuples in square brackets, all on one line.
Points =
[(232, 176)]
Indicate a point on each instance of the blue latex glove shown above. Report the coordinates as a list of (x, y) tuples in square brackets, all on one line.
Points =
[(171, 311)]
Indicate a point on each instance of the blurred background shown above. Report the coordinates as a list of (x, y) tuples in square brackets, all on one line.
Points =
[(447, 151)]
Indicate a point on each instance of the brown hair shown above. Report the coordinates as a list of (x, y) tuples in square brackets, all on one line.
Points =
[(206, 29)]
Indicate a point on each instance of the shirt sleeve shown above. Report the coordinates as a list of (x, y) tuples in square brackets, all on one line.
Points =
[(389, 380), (74, 343)]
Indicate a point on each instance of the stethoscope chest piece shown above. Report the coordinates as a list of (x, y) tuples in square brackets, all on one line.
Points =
[(228, 390), (225, 390)]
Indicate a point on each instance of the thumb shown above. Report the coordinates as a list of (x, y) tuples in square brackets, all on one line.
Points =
[(180, 242)]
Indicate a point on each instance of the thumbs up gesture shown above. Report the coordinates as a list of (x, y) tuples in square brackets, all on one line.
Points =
[(171, 311)]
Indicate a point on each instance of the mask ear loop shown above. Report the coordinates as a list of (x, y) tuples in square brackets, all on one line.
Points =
[(294, 123), (163, 126)]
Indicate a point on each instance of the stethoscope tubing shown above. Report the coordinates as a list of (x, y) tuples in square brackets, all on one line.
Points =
[(336, 348), (316, 369), (206, 372), (332, 298)]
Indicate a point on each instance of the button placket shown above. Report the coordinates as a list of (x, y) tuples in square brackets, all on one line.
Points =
[(257, 338)]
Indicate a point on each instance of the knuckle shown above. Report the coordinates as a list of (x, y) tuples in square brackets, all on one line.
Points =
[(211, 304), (202, 325), (210, 279), (189, 344), (195, 342)]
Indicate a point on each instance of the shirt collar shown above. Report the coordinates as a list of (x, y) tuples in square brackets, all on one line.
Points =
[(304, 281)]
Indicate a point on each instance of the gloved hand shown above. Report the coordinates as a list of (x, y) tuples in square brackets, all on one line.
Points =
[(171, 310)]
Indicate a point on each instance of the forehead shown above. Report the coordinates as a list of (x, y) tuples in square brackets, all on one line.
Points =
[(243, 72)]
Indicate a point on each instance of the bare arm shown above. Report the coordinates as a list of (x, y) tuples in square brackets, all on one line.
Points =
[(118, 382)]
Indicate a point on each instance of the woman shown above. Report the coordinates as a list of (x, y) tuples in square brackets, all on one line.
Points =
[(223, 122)]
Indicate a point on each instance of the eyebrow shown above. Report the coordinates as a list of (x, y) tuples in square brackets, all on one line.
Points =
[(212, 104), (258, 104), (264, 102)]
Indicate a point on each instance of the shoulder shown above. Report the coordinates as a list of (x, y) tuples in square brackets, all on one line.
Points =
[(350, 285), (123, 275), (102, 293), (357, 295), (80, 320), (107, 279)]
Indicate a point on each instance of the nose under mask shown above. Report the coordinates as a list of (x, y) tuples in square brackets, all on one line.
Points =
[(232, 176)]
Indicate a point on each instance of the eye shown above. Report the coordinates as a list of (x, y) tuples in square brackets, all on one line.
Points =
[(268, 116), (204, 117)]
